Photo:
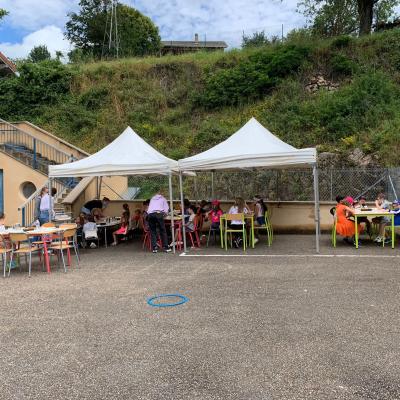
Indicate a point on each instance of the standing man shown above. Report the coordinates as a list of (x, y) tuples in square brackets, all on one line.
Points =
[(157, 211)]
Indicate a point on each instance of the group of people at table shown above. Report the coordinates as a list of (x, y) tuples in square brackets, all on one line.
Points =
[(347, 208), (154, 215)]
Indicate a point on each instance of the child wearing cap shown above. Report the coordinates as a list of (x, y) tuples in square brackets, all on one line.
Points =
[(215, 214)]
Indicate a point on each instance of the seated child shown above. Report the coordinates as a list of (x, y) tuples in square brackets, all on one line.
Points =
[(381, 204), (89, 232), (360, 204), (215, 214), (239, 207), (190, 224), (144, 219), (123, 230), (136, 219), (2, 222), (259, 210), (344, 225)]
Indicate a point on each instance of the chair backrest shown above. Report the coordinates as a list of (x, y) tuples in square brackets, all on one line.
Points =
[(68, 233), (19, 237), (49, 225), (198, 222), (234, 217), (68, 226)]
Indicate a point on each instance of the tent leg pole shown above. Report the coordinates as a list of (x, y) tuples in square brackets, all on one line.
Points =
[(317, 214), (51, 202), (183, 213), (100, 182), (212, 185), (171, 206)]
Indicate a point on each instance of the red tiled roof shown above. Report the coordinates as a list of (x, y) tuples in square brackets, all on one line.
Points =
[(6, 61)]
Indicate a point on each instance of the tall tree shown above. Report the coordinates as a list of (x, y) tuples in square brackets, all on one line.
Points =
[(336, 17), (38, 54), (88, 28)]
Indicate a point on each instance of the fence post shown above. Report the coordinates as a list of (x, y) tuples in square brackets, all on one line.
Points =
[(34, 155), (23, 216), (331, 184)]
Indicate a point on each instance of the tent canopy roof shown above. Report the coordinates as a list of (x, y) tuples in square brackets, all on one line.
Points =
[(251, 146), (128, 154)]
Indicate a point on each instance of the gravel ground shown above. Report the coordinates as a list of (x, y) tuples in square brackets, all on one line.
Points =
[(262, 327)]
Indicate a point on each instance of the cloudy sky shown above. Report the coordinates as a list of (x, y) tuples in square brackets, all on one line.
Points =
[(36, 22)]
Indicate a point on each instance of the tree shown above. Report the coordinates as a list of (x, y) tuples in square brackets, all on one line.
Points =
[(3, 13), (258, 39), (87, 29), (38, 54), (338, 17)]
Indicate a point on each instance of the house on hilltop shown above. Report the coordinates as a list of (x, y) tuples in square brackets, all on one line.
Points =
[(180, 47), (7, 68)]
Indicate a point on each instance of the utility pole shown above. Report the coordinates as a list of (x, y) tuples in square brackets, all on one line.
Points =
[(111, 42)]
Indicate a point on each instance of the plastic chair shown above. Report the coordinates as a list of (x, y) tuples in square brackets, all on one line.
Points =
[(267, 226), (66, 242), (241, 229), (147, 238), (195, 232), (4, 252), (333, 234), (214, 231), (27, 248)]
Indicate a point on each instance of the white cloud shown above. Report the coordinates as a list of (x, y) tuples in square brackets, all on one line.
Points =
[(221, 20), (32, 15), (51, 36)]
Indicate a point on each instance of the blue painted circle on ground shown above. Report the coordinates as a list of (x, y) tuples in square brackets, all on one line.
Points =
[(182, 300)]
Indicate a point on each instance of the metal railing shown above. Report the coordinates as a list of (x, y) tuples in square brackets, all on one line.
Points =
[(30, 150), (28, 209)]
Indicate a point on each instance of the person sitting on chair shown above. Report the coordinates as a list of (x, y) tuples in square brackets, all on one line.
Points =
[(89, 233), (123, 230)]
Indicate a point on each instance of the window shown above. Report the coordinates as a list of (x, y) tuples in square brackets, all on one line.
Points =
[(27, 189)]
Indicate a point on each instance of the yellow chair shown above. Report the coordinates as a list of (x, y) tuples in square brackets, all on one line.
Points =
[(27, 247), (4, 252), (67, 241), (235, 228)]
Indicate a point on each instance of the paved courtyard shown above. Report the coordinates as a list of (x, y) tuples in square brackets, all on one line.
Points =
[(269, 326)]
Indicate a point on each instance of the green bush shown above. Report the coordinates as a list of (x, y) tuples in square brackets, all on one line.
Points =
[(39, 84), (252, 78), (341, 42), (342, 65)]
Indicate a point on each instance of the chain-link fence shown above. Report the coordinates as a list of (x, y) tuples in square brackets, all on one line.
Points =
[(272, 185)]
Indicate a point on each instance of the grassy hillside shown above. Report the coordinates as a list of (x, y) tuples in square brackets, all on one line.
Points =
[(186, 104)]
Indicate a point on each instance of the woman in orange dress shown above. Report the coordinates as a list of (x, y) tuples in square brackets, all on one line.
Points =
[(344, 226)]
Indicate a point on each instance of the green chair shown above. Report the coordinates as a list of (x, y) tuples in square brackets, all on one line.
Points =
[(267, 227), (236, 228), (333, 235)]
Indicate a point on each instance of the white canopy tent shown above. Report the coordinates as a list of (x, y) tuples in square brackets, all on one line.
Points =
[(254, 146), (128, 154)]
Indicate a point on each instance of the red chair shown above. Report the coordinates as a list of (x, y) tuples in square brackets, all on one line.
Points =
[(195, 232), (147, 238)]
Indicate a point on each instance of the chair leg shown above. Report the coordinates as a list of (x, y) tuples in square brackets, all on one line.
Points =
[(30, 263), (4, 259), (11, 260), (208, 237), (63, 261), (77, 255)]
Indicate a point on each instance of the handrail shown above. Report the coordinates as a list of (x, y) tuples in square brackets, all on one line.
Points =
[(28, 208), (32, 151)]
